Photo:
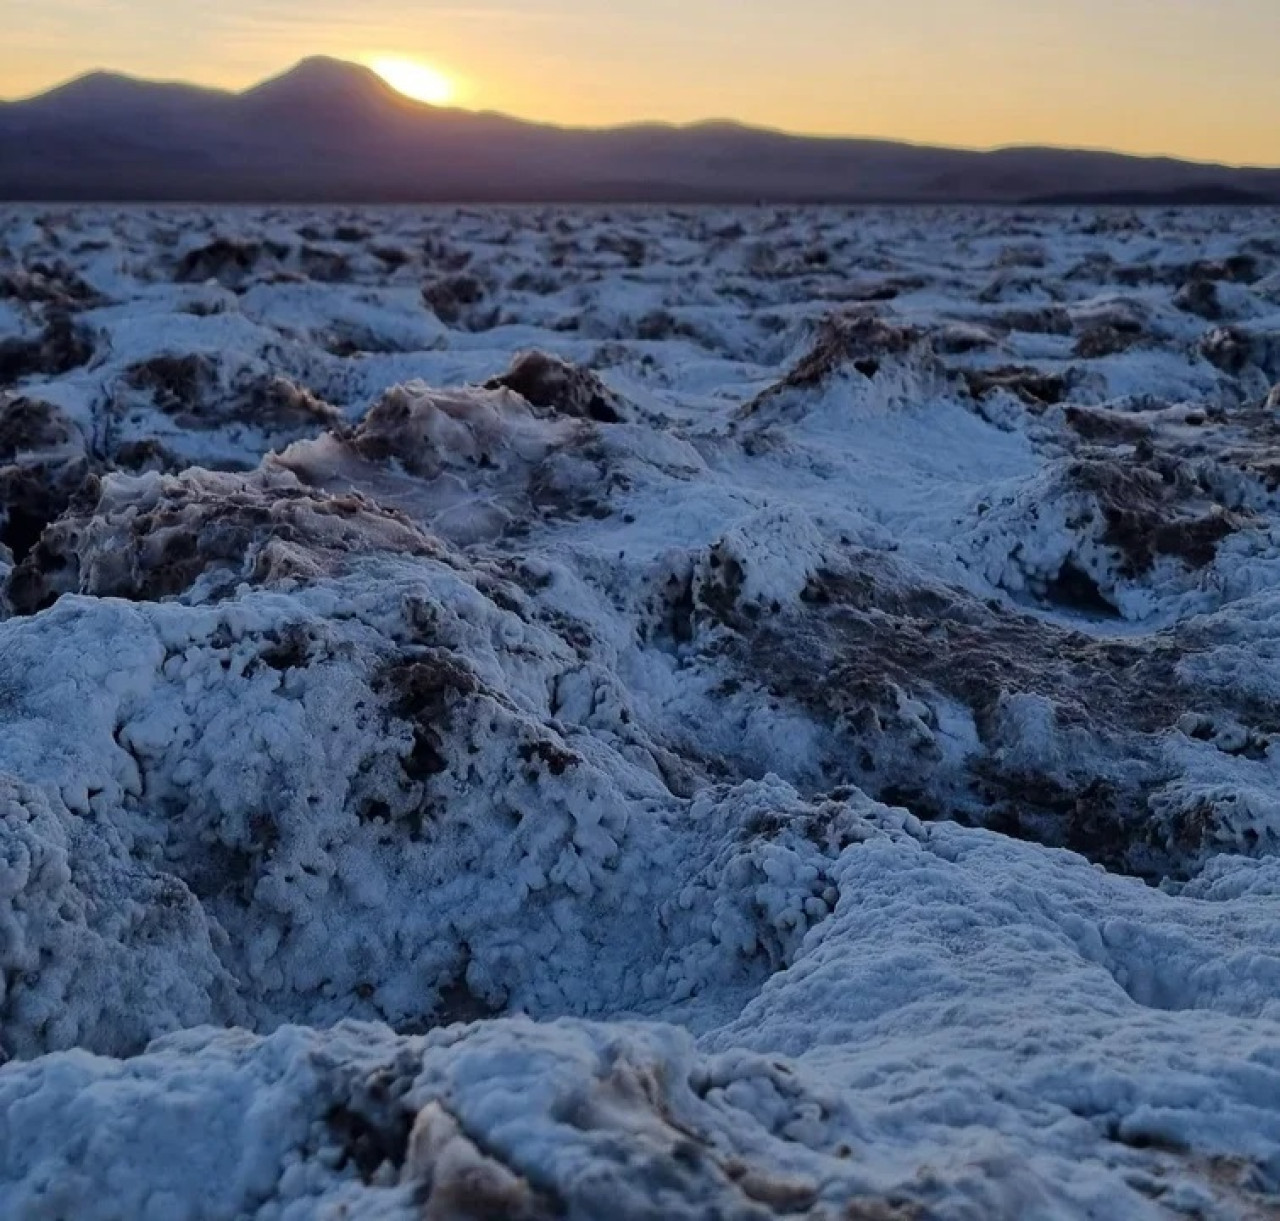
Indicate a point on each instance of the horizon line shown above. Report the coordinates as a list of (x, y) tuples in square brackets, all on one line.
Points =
[(680, 125)]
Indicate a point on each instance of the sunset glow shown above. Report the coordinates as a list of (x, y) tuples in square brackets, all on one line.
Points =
[(415, 80), (1186, 77)]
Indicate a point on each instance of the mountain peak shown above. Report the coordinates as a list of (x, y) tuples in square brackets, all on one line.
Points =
[(101, 94), (327, 68), (100, 78), (320, 77)]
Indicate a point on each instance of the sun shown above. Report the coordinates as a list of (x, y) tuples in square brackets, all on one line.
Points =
[(415, 80)]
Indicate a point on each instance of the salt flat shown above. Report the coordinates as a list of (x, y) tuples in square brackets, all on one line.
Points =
[(640, 713)]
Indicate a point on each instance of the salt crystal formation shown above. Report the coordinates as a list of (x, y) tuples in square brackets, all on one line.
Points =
[(559, 714)]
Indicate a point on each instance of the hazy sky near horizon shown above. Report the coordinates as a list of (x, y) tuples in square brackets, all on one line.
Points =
[(1195, 78)]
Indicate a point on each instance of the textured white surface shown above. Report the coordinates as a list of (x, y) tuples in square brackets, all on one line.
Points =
[(820, 763)]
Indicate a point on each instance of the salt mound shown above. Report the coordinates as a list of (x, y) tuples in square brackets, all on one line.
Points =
[(155, 536), (478, 462), (844, 344), (557, 387)]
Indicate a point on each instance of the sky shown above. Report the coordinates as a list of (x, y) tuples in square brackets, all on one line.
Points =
[(1193, 78)]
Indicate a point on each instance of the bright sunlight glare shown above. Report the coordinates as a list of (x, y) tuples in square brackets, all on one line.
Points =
[(415, 80)]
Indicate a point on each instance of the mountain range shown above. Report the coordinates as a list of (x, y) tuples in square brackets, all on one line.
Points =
[(330, 131)]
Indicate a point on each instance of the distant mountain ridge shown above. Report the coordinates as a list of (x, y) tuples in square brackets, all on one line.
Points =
[(330, 131)]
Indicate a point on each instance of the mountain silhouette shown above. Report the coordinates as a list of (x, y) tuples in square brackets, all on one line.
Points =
[(330, 131)]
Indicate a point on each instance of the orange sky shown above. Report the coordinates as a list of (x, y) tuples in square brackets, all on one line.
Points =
[(1196, 78)]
